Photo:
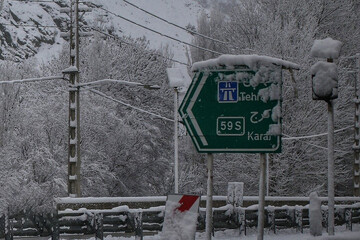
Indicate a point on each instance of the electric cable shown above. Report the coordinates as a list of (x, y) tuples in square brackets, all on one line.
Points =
[(154, 31), (312, 144), (175, 25), (32, 79), (312, 136), (134, 46), (187, 30), (128, 105)]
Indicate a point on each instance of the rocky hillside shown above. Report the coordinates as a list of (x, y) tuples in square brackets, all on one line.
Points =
[(29, 28)]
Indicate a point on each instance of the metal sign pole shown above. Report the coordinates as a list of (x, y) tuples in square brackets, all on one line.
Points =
[(331, 188), (261, 214), (331, 200), (176, 141), (267, 175), (209, 200)]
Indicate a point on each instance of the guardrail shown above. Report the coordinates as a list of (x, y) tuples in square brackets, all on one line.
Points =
[(135, 215)]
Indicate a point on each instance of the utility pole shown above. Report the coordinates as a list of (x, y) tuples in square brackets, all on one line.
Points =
[(74, 140), (74, 159), (356, 146)]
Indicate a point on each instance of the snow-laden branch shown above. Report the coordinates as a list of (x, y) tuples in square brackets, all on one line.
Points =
[(26, 80), (148, 86), (128, 105)]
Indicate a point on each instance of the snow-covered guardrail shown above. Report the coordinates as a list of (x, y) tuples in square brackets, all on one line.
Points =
[(135, 215)]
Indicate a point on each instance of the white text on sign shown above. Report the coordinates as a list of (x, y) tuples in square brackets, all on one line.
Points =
[(230, 126)]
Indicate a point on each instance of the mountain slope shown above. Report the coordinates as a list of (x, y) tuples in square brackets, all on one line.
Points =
[(33, 28)]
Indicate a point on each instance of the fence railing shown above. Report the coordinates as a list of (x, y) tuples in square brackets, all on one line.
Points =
[(132, 215)]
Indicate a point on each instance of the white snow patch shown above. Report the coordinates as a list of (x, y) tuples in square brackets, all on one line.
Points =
[(270, 93), (315, 215), (326, 48), (233, 234), (252, 61), (68, 200), (235, 193), (276, 113), (178, 225), (274, 130), (178, 77)]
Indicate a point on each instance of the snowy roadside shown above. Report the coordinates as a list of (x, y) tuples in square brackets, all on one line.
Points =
[(340, 234)]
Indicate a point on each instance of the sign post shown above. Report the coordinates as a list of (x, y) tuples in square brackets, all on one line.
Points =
[(261, 212), (209, 200), (325, 87), (233, 105)]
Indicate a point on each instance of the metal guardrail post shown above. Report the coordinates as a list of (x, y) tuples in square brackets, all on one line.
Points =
[(8, 228), (348, 218), (138, 226), (55, 235), (99, 226)]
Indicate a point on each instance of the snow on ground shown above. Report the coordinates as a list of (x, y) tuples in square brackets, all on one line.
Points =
[(231, 235), (48, 51), (286, 234)]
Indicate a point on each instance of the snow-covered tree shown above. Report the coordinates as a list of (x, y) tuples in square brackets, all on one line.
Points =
[(286, 29)]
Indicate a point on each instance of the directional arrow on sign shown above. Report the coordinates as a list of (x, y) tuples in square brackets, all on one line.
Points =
[(193, 99)]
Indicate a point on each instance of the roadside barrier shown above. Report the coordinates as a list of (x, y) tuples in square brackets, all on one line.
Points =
[(146, 214)]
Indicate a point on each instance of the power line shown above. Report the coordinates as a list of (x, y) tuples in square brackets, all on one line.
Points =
[(157, 32), (313, 136), (178, 26), (312, 144), (40, 1), (134, 46), (33, 80), (128, 105), (96, 30), (35, 1), (123, 82), (187, 30)]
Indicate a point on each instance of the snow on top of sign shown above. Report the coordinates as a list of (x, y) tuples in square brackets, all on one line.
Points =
[(274, 130), (325, 78), (326, 48), (273, 92), (178, 77), (251, 61)]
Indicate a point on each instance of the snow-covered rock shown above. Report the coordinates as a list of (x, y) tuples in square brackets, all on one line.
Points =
[(33, 28)]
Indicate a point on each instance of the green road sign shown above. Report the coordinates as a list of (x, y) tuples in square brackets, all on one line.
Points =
[(234, 110)]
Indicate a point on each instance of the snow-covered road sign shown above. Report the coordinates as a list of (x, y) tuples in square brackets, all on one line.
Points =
[(236, 110)]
